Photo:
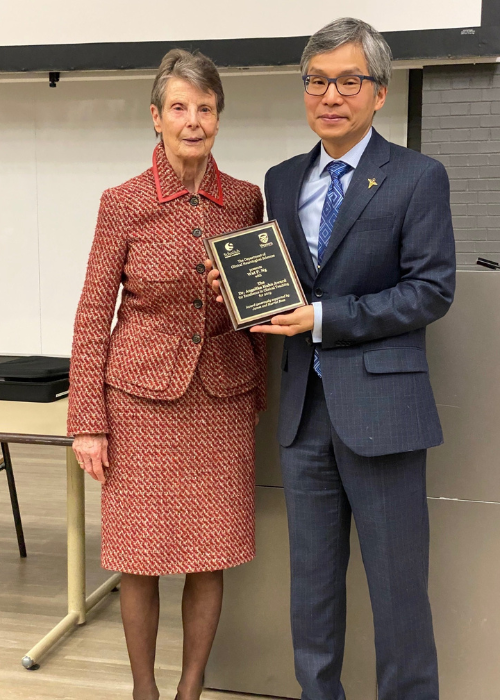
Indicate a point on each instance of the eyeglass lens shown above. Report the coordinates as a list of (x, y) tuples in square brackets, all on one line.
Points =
[(346, 85)]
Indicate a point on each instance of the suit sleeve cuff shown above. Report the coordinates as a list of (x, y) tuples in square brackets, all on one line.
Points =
[(317, 332)]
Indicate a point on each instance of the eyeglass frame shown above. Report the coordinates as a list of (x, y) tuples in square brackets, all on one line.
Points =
[(334, 80)]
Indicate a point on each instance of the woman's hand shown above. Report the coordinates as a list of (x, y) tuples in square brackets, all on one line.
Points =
[(213, 274), (91, 451)]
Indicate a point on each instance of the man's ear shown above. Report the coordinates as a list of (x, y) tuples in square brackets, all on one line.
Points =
[(380, 99)]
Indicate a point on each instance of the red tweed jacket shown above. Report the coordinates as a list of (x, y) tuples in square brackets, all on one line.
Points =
[(149, 238)]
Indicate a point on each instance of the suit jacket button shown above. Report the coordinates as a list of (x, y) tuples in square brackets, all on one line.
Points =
[(194, 201), (197, 303), (196, 338), (309, 340), (196, 232), (200, 268), (318, 293)]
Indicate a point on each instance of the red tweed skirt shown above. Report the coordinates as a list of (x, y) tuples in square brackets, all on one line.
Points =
[(179, 495)]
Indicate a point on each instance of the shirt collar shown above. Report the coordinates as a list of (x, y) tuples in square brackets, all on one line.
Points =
[(168, 185), (352, 157)]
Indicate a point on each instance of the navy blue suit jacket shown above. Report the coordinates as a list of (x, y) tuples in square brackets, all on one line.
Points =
[(388, 271)]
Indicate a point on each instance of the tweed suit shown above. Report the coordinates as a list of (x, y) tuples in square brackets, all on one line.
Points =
[(354, 441), (174, 386)]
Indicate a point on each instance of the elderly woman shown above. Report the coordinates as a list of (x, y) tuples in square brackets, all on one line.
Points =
[(164, 409)]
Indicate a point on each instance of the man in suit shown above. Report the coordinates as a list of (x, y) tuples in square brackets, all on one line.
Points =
[(368, 227)]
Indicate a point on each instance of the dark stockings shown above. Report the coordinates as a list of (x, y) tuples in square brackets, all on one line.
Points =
[(140, 606)]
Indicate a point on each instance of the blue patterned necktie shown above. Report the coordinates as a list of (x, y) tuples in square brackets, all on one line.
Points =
[(331, 206)]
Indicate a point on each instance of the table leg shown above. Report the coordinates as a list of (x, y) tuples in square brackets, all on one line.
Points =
[(78, 606), (76, 537), (7, 465)]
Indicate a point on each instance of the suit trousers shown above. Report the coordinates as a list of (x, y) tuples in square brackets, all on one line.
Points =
[(325, 483)]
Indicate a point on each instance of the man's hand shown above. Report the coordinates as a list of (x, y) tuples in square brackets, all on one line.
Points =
[(91, 451), (298, 321), (213, 274)]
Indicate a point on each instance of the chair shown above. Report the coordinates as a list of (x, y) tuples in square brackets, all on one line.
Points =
[(6, 465)]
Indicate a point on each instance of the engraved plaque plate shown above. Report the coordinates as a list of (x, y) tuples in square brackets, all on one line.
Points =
[(258, 280)]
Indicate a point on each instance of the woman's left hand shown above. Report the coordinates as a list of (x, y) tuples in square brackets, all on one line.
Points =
[(213, 280), (91, 450)]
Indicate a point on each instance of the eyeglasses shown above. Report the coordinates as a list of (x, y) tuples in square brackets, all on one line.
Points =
[(347, 85)]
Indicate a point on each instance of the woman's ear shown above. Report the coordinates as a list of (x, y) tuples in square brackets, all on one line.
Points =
[(156, 118)]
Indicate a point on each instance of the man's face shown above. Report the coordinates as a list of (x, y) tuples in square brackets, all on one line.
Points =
[(341, 122)]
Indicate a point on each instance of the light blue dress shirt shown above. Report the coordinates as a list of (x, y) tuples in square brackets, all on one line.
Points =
[(311, 200)]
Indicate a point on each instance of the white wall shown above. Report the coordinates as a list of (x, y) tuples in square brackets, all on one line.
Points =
[(60, 148), (63, 22)]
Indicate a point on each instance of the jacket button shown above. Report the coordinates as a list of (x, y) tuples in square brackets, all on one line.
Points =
[(318, 293), (200, 268), (197, 303), (309, 341), (197, 232), (196, 338), (194, 201)]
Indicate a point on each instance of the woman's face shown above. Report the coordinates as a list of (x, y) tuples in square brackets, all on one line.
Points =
[(189, 121)]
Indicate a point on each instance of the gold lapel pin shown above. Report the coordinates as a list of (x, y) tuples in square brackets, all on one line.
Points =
[(372, 182)]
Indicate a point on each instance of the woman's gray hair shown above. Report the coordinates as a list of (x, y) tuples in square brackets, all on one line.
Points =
[(348, 30), (195, 68)]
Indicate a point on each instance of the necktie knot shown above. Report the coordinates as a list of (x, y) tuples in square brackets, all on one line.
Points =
[(337, 168)]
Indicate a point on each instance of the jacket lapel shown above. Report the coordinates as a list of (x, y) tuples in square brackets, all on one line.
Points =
[(296, 179), (360, 191), (168, 186)]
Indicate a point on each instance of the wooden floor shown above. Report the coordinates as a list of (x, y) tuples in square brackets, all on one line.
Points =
[(91, 662)]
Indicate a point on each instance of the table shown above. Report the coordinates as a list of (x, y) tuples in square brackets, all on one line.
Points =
[(45, 424)]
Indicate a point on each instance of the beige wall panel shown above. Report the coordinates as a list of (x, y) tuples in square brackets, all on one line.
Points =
[(19, 260), (253, 649), (90, 136), (388, 121), (464, 590), (463, 350)]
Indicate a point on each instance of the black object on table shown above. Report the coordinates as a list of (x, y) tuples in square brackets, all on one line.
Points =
[(36, 378)]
